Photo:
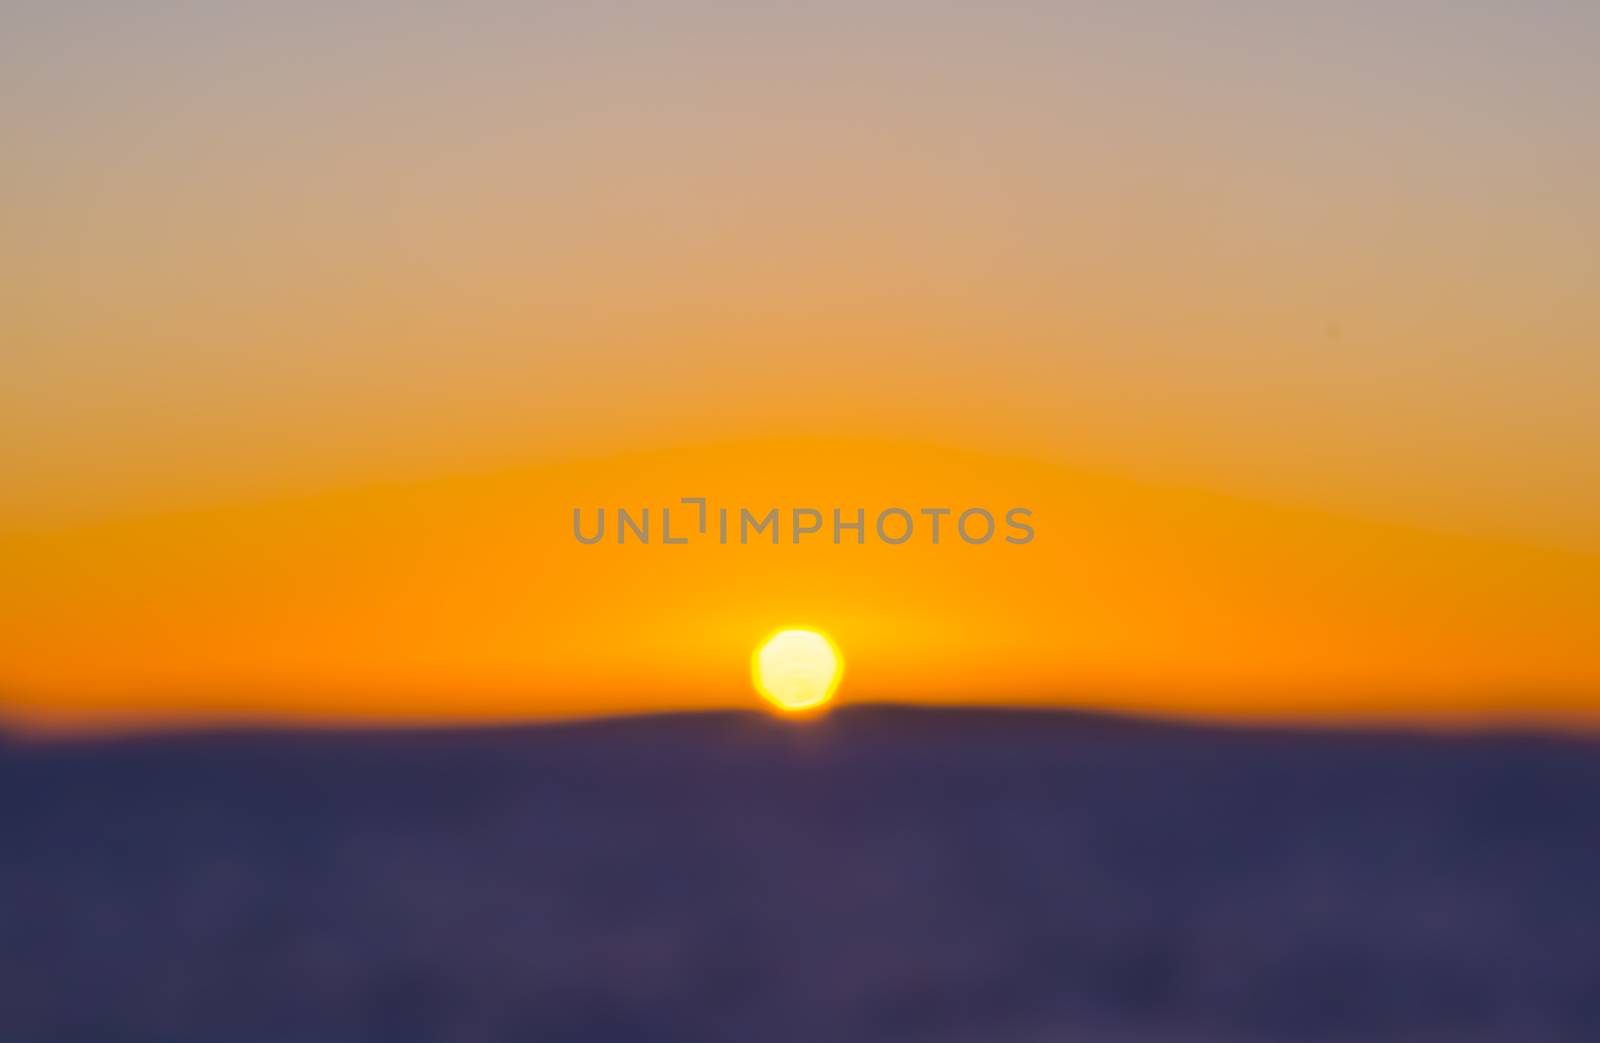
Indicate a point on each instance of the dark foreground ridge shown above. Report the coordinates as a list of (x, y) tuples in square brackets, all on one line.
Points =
[(883, 873)]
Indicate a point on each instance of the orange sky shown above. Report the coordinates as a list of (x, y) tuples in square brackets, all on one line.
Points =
[(468, 596), (318, 326)]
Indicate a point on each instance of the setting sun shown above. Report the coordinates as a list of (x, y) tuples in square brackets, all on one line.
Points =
[(797, 669)]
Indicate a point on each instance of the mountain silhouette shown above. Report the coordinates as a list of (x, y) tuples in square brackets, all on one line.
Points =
[(880, 873)]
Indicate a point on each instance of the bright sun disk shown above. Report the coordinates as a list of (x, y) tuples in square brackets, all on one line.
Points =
[(796, 669)]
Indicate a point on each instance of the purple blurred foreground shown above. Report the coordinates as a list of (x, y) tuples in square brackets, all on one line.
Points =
[(882, 874)]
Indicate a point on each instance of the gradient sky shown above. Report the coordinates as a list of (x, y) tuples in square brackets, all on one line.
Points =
[(317, 323)]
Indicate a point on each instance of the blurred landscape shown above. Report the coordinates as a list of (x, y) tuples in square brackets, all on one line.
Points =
[(883, 873)]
